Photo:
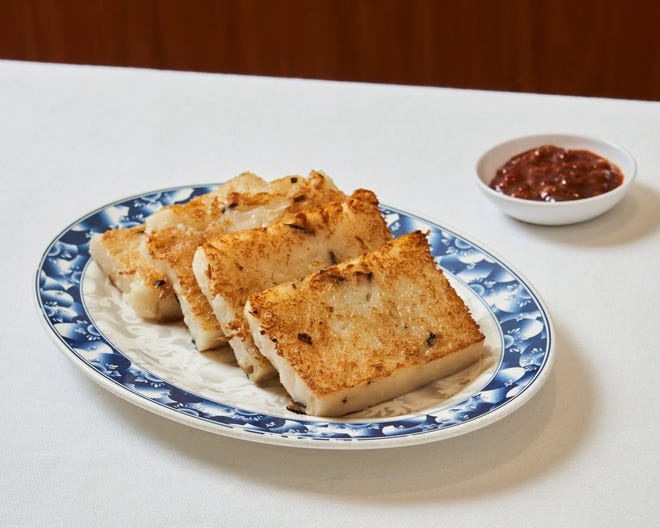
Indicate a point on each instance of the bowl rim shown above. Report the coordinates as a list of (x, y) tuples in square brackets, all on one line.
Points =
[(628, 176)]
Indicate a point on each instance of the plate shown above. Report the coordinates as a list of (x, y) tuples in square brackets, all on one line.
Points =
[(156, 366)]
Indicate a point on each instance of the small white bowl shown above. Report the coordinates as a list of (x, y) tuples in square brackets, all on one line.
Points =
[(554, 213)]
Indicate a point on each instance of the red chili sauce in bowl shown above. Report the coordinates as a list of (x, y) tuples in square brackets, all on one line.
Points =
[(553, 174)]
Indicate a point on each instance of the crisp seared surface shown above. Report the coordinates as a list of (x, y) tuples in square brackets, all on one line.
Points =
[(124, 261), (251, 261), (175, 247), (285, 196), (230, 203), (354, 323), (200, 211)]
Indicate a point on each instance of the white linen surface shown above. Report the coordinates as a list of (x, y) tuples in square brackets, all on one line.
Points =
[(582, 452)]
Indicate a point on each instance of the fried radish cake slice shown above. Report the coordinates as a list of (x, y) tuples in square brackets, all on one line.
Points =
[(231, 267), (172, 246), (365, 331), (199, 212), (119, 254)]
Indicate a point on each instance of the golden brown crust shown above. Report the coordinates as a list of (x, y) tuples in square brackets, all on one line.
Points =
[(123, 247), (354, 323), (175, 246), (250, 261), (201, 210)]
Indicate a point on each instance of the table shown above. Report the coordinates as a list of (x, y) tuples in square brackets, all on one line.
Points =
[(582, 452)]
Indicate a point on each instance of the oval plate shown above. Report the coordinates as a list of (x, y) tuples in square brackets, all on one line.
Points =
[(156, 367)]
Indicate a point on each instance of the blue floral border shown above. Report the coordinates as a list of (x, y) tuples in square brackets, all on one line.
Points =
[(522, 319)]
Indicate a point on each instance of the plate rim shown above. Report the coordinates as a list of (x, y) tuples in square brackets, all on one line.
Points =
[(272, 438)]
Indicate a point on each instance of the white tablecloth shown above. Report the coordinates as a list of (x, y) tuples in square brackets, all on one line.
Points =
[(582, 452)]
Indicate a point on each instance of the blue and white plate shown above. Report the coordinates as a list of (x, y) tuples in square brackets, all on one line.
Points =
[(157, 367)]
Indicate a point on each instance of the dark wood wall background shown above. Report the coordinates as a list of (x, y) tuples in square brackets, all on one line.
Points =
[(578, 47)]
